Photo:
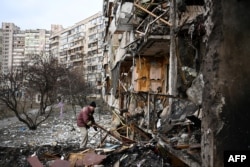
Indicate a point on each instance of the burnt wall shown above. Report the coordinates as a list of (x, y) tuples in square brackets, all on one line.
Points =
[(226, 71)]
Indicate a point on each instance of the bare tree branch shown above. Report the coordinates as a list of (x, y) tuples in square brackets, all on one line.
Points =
[(20, 88)]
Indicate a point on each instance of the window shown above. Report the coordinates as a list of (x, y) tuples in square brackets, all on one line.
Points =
[(91, 37), (99, 19), (82, 27), (93, 21), (99, 67)]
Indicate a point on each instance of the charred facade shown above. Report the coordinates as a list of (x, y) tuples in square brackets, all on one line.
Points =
[(152, 69)]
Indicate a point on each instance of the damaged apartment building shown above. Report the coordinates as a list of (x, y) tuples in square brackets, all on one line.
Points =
[(152, 58), (160, 61)]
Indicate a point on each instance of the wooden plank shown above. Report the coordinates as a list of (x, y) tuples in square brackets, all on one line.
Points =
[(123, 139), (152, 14)]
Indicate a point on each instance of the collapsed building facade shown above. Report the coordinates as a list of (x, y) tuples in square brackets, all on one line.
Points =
[(161, 70), (146, 74)]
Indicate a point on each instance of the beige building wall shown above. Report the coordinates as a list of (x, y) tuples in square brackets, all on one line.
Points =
[(36, 43), (94, 55), (18, 48)]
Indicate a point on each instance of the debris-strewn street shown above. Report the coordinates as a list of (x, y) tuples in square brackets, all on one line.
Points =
[(53, 131), (57, 141), (57, 134)]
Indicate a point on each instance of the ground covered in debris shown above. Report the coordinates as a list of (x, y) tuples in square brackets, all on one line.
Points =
[(58, 138), (53, 131), (60, 134), (135, 156)]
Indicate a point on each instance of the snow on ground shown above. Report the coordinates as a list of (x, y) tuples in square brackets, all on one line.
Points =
[(53, 131)]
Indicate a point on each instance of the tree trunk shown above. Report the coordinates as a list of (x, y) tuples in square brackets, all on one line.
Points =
[(226, 97)]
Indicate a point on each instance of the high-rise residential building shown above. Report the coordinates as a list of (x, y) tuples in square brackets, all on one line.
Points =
[(22, 45), (18, 48), (8, 30), (94, 54), (54, 41), (1, 48), (67, 45), (80, 46), (36, 43)]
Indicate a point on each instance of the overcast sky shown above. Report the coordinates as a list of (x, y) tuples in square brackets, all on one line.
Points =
[(40, 14)]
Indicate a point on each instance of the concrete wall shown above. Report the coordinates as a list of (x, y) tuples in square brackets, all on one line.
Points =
[(226, 96)]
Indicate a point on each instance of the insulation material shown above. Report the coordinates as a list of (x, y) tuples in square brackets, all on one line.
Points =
[(144, 84), (156, 76), (156, 85), (148, 75), (142, 68), (135, 73), (155, 70), (135, 76), (142, 75)]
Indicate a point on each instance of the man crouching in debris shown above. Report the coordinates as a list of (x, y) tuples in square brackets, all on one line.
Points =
[(86, 119)]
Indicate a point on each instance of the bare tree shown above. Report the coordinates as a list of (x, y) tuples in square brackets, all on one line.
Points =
[(43, 77), (74, 88), (19, 87)]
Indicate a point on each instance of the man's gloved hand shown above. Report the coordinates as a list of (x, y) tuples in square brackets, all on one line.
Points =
[(89, 123)]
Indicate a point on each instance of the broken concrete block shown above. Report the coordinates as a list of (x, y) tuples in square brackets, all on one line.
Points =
[(195, 91)]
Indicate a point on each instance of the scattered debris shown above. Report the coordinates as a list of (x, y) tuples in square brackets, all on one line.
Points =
[(130, 146)]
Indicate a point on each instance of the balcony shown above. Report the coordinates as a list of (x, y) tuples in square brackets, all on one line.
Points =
[(92, 40), (93, 32), (79, 51), (92, 48), (155, 45), (123, 21), (54, 41)]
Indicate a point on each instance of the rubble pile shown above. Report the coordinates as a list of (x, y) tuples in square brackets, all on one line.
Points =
[(17, 156), (137, 156), (47, 155)]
